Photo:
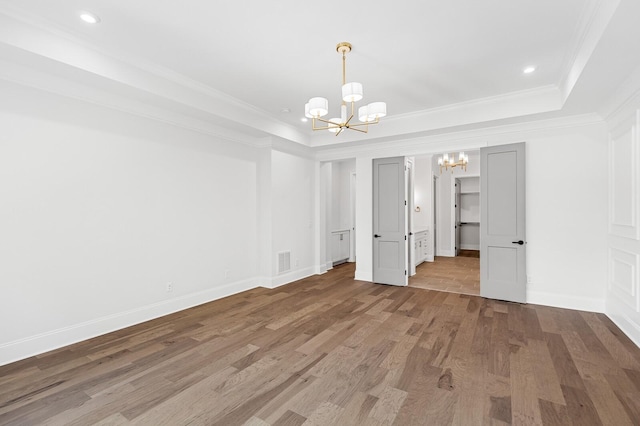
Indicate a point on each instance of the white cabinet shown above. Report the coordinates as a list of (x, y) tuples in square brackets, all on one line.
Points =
[(340, 246), (421, 248)]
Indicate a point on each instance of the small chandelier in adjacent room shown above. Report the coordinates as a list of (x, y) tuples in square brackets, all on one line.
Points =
[(446, 162), (352, 92)]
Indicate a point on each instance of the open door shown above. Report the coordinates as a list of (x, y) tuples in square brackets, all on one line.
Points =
[(457, 207), (389, 222), (502, 225)]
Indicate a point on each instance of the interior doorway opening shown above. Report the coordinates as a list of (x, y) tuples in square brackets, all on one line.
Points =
[(446, 226), (339, 183)]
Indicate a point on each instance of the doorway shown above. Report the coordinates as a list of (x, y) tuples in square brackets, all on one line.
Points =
[(338, 182), (453, 264), (501, 258), (497, 268)]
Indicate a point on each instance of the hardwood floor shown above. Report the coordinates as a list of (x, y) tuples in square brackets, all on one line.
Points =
[(460, 274), (328, 350)]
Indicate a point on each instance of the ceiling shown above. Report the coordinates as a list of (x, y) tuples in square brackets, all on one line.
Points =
[(436, 64)]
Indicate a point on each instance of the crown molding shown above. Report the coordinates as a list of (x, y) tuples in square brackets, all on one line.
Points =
[(592, 25), (508, 105), (125, 103), (43, 39), (624, 101), (459, 139)]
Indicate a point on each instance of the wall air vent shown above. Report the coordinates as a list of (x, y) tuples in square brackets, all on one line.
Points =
[(284, 262)]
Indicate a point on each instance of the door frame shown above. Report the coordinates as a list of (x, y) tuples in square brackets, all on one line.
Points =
[(409, 196), (436, 214), (352, 227)]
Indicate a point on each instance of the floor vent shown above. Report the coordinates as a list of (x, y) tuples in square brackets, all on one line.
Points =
[(284, 262)]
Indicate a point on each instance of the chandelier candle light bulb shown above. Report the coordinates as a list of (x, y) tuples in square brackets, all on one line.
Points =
[(352, 92), (450, 163)]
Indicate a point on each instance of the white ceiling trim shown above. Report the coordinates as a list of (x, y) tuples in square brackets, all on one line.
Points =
[(624, 101), (151, 79), (29, 77), (457, 140), (515, 104), (592, 27)]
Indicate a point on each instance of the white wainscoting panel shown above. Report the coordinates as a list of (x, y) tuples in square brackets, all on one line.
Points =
[(623, 277)]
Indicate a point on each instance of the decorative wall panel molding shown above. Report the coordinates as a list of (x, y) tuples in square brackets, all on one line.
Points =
[(623, 277), (623, 179)]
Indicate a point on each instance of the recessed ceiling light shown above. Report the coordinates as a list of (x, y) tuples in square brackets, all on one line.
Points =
[(285, 110), (89, 18), (529, 70), (304, 119)]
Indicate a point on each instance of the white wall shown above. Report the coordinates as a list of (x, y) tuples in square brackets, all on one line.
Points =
[(422, 189), (264, 218), (364, 218), (100, 210), (293, 201), (346, 168), (323, 215), (566, 216), (336, 206)]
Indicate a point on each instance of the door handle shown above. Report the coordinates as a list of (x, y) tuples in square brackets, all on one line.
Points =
[(376, 236), (520, 242)]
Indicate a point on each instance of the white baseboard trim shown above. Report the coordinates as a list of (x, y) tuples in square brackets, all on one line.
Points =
[(446, 253), (322, 268), (628, 327), (54, 339), (469, 246), (623, 321), (360, 276), (264, 282), (292, 276), (566, 301)]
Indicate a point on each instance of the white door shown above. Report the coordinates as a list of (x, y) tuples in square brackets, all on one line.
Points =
[(502, 223), (456, 226), (389, 222)]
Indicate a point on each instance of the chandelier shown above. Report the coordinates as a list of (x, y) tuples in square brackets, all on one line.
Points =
[(318, 107), (446, 162)]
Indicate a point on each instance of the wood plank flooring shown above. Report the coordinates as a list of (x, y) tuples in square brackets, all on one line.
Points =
[(460, 274), (328, 350)]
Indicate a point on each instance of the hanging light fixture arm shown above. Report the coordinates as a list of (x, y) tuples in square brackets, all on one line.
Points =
[(352, 92)]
